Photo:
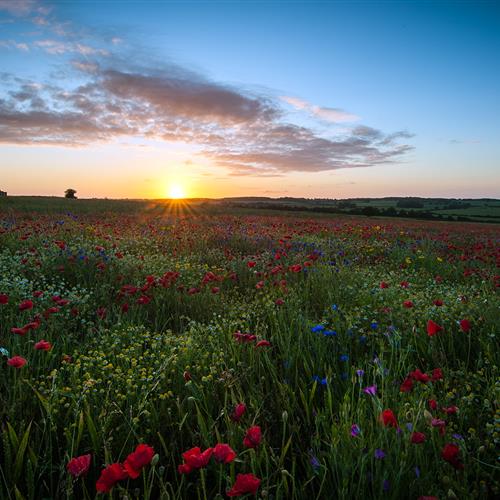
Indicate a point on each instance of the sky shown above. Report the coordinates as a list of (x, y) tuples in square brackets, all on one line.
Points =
[(315, 99)]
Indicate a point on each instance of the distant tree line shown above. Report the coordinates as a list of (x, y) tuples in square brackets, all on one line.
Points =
[(350, 208)]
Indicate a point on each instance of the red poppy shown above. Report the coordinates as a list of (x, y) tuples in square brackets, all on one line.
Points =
[(450, 453), (43, 345), (111, 475), (263, 343), (418, 437), (383, 284), (16, 361), (465, 325), (215, 290), (433, 328), (25, 305), (239, 411), (251, 264), (418, 375), (450, 410), (388, 418), (253, 437), (4, 298), (279, 302), (437, 374), (223, 453), (433, 404), (407, 385), (245, 483), (138, 459), (404, 284), (408, 304), (195, 459), (19, 331), (79, 466), (438, 302)]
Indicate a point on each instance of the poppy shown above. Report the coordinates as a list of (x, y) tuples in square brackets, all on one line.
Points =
[(407, 385), (465, 325), (383, 284), (138, 459), (433, 404), (223, 453), (418, 437), (195, 459), (253, 437), (245, 483), (408, 304), (19, 331), (437, 374), (419, 376), (388, 418), (433, 328), (450, 453), (111, 475), (238, 412), (16, 361), (79, 466), (43, 345), (4, 298), (26, 305), (263, 343)]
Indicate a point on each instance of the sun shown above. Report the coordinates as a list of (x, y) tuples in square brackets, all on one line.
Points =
[(176, 192)]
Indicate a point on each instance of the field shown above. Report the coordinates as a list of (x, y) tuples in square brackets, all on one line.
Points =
[(191, 351)]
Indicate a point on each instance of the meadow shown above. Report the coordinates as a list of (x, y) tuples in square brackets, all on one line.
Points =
[(176, 351)]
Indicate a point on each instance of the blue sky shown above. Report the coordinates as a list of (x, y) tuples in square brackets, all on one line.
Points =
[(396, 98)]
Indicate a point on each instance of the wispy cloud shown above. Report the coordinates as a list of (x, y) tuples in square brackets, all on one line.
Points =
[(335, 115)]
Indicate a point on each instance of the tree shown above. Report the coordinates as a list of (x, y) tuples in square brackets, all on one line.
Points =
[(70, 193)]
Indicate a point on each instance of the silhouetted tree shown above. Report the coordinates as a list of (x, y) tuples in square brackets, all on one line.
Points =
[(70, 193)]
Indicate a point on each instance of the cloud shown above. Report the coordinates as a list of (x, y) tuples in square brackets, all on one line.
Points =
[(59, 47), (334, 115), (12, 44), (241, 131)]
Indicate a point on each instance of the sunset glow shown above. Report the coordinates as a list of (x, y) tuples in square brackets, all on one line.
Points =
[(176, 192), (324, 107)]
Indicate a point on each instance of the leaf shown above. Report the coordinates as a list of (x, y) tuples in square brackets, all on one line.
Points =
[(20, 454)]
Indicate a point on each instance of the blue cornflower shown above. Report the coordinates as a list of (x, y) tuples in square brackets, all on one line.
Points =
[(379, 454), (335, 307), (344, 358), (373, 325), (330, 333), (321, 381), (317, 328)]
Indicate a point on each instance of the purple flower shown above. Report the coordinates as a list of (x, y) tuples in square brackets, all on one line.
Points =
[(379, 454), (314, 461), (360, 373), (355, 430), (387, 485), (458, 436), (409, 426), (370, 390)]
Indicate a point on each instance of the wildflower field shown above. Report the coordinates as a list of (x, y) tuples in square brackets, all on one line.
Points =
[(192, 355)]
